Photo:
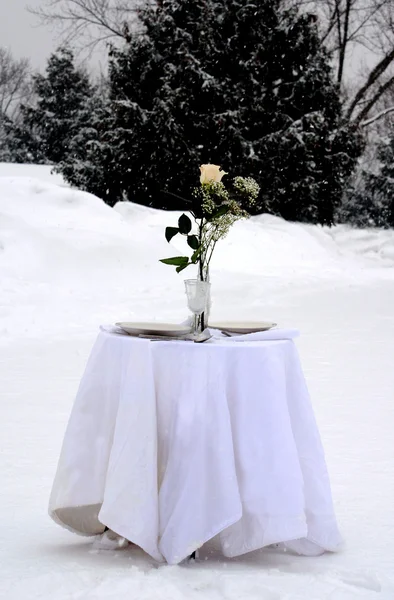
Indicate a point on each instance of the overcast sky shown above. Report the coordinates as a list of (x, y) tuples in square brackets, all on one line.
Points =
[(19, 31)]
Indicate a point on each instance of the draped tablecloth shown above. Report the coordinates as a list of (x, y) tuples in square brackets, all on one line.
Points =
[(170, 444)]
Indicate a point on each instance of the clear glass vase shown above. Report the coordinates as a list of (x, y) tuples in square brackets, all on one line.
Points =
[(197, 292), (203, 275), (208, 306)]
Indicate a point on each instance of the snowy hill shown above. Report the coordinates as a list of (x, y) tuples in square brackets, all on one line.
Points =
[(68, 262)]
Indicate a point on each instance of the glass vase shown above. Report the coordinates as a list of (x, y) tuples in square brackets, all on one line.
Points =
[(197, 292)]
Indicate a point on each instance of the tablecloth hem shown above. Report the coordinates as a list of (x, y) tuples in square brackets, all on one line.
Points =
[(133, 539), (325, 546), (253, 548), (53, 515), (206, 539)]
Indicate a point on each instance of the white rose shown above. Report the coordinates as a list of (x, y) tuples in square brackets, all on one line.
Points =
[(211, 173)]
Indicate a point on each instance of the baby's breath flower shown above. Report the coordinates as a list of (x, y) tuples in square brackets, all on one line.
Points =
[(211, 195), (247, 187)]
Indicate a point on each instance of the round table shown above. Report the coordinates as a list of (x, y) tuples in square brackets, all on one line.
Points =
[(171, 444)]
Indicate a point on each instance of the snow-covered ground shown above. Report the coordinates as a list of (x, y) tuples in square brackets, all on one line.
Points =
[(69, 263)]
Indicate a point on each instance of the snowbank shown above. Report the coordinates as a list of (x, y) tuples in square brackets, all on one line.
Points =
[(374, 244), (61, 248)]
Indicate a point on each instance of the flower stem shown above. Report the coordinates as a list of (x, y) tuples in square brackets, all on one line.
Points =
[(201, 266)]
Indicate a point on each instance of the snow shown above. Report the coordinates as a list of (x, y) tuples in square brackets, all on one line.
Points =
[(69, 263)]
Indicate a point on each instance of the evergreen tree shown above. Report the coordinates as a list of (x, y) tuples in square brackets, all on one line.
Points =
[(18, 144), (46, 128), (5, 125), (242, 84), (370, 203), (383, 183), (92, 157)]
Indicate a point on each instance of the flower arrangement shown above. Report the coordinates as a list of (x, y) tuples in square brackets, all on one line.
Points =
[(215, 207)]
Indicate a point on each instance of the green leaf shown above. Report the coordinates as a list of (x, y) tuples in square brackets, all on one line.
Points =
[(184, 224), (222, 210), (171, 232), (181, 267), (177, 261), (193, 242)]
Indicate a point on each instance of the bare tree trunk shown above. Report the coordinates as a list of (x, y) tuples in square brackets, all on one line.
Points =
[(345, 37)]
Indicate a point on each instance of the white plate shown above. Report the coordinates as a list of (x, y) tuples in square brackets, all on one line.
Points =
[(165, 329), (242, 327)]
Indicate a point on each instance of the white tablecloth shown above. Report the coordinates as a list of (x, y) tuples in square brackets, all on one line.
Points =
[(170, 444)]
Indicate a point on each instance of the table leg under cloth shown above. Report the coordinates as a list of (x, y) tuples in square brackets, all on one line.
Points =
[(171, 446)]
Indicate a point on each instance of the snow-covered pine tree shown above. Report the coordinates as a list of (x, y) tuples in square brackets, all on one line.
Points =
[(45, 128), (241, 84), (92, 155), (370, 201), (18, 144), (383, 183)]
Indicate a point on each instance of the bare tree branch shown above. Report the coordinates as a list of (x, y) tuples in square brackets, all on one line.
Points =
[(374, 100), (373, 77), (93, 22), (347, 27), (377, 117), (14, 82)]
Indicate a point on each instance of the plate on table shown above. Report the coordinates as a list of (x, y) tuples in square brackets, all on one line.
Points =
[(242, 327), (164, 329)]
